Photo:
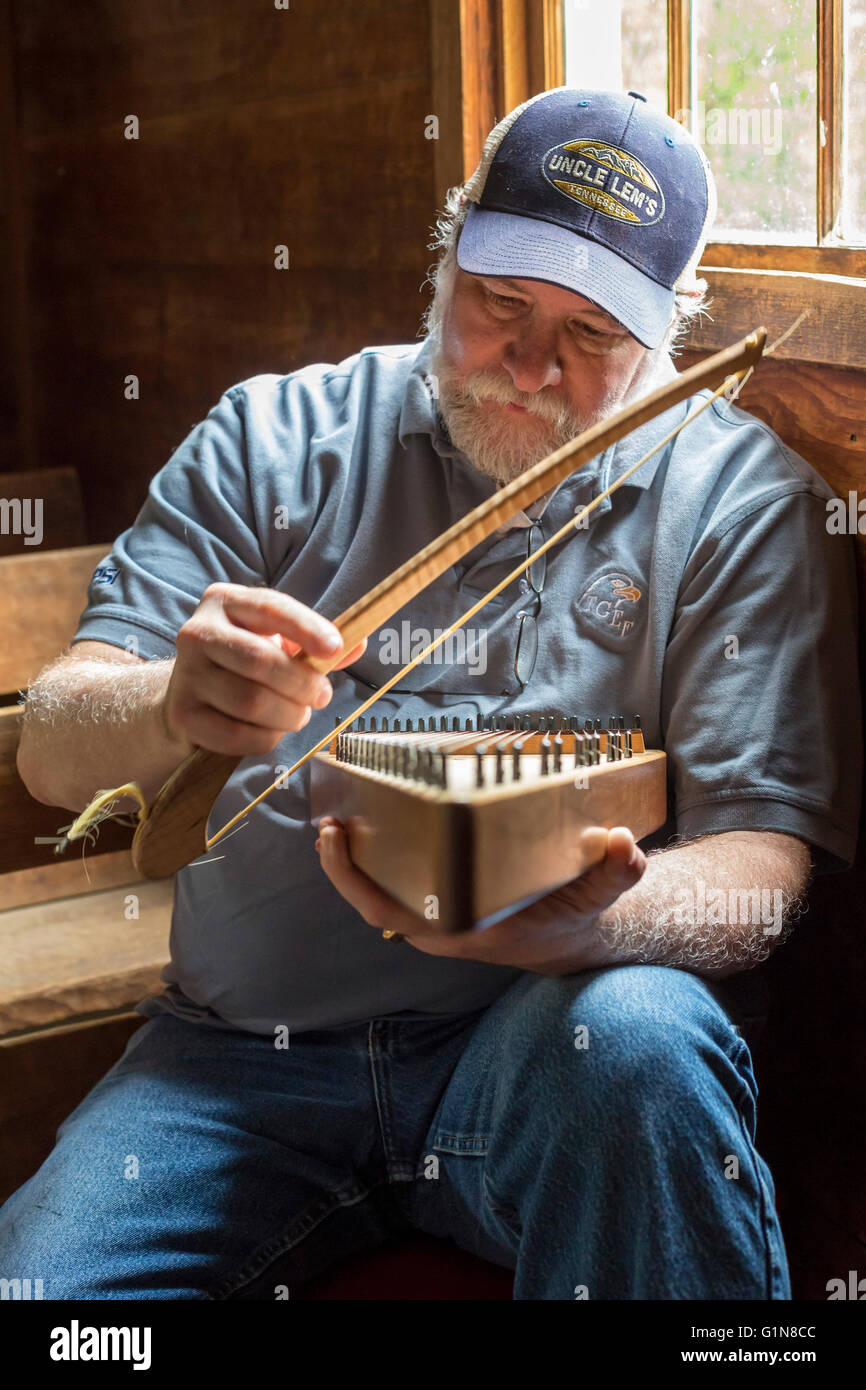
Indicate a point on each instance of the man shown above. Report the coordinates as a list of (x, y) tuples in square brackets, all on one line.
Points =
[(569, 1092)]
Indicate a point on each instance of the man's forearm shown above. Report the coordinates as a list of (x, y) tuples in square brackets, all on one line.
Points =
[(714, 905), (95, 723)]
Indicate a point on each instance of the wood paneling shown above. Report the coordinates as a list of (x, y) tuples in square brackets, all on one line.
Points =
[(818, 411), (155, 257), (814, 260), (44, 594), (833, 330), (59, 521), (16, 406), (84, 65)]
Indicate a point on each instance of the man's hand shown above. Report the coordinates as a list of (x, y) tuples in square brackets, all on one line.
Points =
[(236, 687), (553, 936)]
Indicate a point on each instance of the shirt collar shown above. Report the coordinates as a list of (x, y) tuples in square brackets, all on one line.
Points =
[(419, 415)]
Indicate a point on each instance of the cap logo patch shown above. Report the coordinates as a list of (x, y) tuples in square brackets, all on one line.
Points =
[(606, 179)]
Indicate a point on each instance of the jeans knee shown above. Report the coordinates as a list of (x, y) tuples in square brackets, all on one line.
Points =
[(631, 1033)]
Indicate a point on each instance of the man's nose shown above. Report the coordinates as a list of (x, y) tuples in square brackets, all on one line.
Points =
[(532, 362)]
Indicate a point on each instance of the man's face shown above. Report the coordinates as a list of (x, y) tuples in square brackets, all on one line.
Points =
[(524, 366)]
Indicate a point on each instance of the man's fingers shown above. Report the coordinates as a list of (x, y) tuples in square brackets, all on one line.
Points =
[(376, 907), (261, 705), (621, 867), (268, 612), (352, 655)]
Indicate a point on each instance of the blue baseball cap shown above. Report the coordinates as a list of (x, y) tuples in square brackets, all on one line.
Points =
[(597, 192)]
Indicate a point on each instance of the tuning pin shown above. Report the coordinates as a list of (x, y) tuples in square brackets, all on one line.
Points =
[(557, 751), (500, 747), (467, 728), (545, 755), (373, 724), (455, 724), (629, 751), (516, 750)]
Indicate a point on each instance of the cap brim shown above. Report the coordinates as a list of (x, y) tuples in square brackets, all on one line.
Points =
[(526, 248)]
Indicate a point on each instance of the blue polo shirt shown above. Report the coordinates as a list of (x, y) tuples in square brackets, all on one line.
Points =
[(705, 595)]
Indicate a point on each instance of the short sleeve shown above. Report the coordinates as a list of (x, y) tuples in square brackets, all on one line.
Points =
[(196, 527), (760, 697)]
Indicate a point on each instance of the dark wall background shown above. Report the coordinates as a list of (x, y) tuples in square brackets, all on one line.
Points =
[(155, 256)]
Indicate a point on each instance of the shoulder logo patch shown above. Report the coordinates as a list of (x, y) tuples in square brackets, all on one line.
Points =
[(606, 179)]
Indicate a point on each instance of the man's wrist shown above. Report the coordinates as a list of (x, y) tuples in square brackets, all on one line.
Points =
[(181, 744)]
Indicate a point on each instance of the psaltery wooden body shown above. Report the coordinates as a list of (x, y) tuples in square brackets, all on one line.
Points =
[(463, 828)]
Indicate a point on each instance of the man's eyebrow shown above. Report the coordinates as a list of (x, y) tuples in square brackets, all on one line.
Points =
[(589, 308)]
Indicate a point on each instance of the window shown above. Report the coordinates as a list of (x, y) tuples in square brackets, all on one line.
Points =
[(774, 91)]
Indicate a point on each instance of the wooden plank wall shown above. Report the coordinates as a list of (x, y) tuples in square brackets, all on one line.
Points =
[(155, 257)]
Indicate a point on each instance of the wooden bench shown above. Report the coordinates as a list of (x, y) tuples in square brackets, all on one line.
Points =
[(81, 941)]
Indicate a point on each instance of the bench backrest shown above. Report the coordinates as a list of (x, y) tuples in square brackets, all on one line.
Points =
[(43, 596)]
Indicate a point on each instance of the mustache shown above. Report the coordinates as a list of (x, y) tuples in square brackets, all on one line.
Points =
[(485, 385)]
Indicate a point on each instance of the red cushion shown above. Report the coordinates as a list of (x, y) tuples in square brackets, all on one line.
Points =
[(423, 1268)]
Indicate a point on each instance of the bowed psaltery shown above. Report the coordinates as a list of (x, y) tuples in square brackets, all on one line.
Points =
[(507, 775)]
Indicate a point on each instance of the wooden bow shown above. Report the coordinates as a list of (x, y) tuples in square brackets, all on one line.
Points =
[(172, 831)]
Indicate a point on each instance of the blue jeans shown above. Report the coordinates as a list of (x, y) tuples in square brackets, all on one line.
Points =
[(593, 1132)]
